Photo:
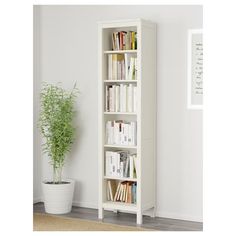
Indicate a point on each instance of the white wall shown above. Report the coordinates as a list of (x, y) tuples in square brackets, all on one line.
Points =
[(68, 53)]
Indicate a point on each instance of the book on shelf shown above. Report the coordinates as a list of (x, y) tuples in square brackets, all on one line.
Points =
[(120, 164), (124, 191), (122, 67), (121, 98), (120, 132), (124, 40)]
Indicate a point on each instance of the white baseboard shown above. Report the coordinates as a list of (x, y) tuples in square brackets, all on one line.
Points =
[(178, 216)]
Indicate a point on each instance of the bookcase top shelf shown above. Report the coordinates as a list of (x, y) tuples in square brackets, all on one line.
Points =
[(120, 51)]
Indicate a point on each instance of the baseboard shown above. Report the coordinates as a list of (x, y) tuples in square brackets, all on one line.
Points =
[(177, 216)]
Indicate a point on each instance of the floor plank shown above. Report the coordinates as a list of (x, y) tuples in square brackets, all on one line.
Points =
[(157, 223)]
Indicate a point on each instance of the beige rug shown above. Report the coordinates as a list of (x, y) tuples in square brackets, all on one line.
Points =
[(44, 222)]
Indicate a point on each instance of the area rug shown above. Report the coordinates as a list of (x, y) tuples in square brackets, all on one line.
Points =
[(44, 222)]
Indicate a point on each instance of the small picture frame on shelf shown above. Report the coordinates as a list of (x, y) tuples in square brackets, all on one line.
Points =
[(195, 69)]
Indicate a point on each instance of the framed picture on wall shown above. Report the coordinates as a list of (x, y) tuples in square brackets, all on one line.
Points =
[(195, 69)]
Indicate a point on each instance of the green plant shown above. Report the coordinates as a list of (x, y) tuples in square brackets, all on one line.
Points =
[(56, 124)]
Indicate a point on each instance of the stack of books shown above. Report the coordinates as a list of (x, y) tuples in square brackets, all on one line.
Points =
[(122, 67), (121, 164), (124, 40), (123, 191), (120, 132), (121, 98)]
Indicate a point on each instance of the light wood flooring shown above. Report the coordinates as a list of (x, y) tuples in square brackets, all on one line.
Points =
[(157, 223)]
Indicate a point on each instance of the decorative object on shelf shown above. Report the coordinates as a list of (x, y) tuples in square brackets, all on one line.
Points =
[(56, 125), (195, 69)]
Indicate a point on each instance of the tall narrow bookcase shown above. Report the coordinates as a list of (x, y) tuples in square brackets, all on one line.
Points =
[(145, 115)]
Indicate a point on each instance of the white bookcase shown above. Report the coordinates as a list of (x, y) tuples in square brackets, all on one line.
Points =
[(145, 115)]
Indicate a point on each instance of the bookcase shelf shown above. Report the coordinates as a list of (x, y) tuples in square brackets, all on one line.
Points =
[(120, 179), (120, 51), (119, 146), (120, 81), (119, 113), (120, 206), (141, 157)]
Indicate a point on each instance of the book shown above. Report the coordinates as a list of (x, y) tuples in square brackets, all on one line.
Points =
[(130, 98), (131, 167), (112, 189), (117, 191)]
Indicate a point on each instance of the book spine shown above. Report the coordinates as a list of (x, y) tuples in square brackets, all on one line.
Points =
[(134, 99), (130, 98), (117, 98)]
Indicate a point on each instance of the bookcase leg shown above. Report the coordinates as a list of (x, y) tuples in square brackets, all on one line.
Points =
[(153, 214), (139, 218), (100, 213)]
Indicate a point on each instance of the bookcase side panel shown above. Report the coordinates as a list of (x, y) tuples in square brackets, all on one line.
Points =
[(148, 115)]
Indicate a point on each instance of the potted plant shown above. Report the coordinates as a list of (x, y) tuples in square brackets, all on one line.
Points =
[(56, 125)]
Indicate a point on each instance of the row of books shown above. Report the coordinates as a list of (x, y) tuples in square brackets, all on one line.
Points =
[(121, 164), (122, 67), (124, 40), (123, 191), (121, 98), (121, 132)]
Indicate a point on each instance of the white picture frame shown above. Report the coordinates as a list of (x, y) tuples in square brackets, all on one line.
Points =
[(195, 69)]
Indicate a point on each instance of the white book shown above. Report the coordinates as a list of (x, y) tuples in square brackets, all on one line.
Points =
[(134, 132), (118, 163), (135, 163), (126, 134), (122, 138), (130, 98), (114, 164), (121, 98), (126, 167), (117, 98), (109, 163), (110, 67), (135, 68), (131, 167), (121, 169), (131, 69), (114, 97), (130, 135), (127, 65), (135, 99), (124, 94), (111, 132)]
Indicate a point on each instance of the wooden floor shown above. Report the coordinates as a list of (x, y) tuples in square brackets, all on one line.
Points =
[(157, 223)]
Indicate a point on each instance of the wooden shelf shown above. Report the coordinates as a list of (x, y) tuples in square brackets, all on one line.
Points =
[(119, 113), (119, 146), (120, 51), (120, 81), (121, 178), (120, 206)]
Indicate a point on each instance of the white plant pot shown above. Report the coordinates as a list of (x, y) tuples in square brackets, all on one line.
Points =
[(58, 197)]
